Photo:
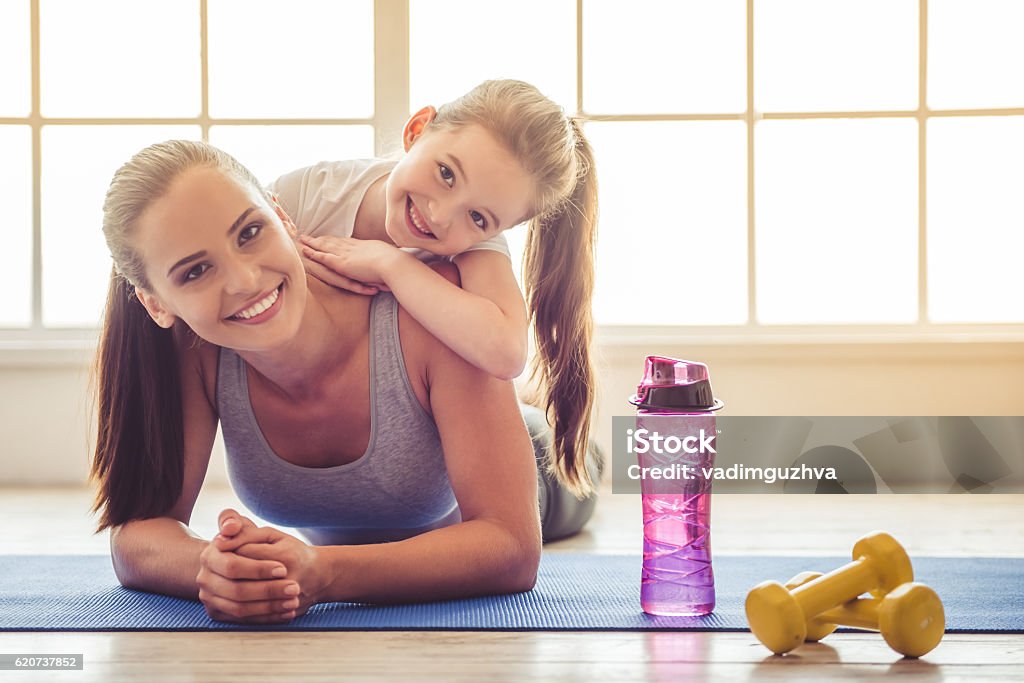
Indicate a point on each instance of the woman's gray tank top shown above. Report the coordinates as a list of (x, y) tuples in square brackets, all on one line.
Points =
[(397, 489)]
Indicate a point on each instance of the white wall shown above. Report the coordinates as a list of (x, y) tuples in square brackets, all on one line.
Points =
[(45, 425)]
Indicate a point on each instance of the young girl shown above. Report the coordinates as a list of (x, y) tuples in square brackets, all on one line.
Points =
[(496, 157)]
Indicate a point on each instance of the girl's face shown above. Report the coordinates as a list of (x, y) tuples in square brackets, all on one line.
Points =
[(454, 188), (223, 260)]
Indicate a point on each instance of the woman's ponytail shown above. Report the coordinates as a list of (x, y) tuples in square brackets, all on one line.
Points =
[(138, 464)]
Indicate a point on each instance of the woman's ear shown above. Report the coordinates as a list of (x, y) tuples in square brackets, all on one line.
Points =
[(160, 315), (416, 124)]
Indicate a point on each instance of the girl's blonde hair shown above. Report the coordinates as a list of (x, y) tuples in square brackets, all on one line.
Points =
[(138, 464), (558, 265)]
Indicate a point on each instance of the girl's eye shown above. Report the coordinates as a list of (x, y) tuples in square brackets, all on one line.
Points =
[(195, 272), (479, 219), (446, 175), (250, 231)]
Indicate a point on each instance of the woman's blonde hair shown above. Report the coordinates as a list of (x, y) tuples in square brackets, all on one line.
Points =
[(558, 265), (138, 464)]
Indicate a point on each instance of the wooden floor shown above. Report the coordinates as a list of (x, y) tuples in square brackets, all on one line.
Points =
[(55, 521)]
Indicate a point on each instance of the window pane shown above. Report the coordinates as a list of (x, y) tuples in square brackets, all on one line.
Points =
[(16, 198), (836, 208), (301, 59), (975, 54), (693, 58), (15, 92), (270, 151), (849, 55), (672, 241), (456, 44), (119, 58), (78, 164), (975, 219)]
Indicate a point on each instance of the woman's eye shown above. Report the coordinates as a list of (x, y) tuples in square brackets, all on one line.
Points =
[(446, 175), (478, 218), (249, 231), (195, 271)]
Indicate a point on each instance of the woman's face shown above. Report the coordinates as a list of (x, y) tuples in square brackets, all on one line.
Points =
[(221, 259), (453, 189)]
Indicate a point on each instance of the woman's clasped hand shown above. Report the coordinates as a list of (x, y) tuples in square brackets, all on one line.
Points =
[(257, 575)]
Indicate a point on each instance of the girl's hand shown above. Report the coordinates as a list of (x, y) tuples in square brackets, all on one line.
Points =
[(364, 261), (241, 589), (340, 281), (302, 562)]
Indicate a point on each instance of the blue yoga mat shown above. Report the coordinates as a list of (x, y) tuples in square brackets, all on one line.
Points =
[(574, 592)]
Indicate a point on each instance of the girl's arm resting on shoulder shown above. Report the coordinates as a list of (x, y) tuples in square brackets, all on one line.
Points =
[(491, 465), (484, 320)]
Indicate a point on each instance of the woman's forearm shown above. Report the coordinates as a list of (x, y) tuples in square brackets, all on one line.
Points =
[(468, 559), (160, 555)]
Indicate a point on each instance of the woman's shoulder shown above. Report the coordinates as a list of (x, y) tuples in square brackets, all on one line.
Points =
[(198, 359)]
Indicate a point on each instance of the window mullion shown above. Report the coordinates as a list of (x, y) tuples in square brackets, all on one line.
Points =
[(204, 72), (35, 121), (391, 72), (750, 119), (922, 166)]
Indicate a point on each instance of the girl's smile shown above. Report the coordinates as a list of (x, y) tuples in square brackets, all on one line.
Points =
[(418, 225)]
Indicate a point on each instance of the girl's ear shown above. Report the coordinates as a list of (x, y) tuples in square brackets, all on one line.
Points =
[(416, 124), (289, 224), (160, 315)]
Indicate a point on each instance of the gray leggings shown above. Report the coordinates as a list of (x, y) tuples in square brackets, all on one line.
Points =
[(561, 513)]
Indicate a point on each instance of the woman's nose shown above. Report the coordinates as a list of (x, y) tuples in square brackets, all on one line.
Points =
[(242, 278)]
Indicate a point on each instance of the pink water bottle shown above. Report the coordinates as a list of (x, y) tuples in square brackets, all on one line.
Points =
[(674, 440)]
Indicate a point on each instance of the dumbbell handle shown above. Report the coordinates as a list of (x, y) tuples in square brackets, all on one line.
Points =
[(832, 589), (859, 613)]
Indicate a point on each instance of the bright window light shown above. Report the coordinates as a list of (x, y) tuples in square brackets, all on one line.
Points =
[(16, 198), (78, 164), (456, 44), (15, 76), (672, 240), (301, 59), (976, 219), (836, 208), (841, 55), (119, 58), (691, 58), (271, 151)]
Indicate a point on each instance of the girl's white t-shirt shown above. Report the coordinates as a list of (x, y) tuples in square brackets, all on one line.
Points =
[(323, 199)]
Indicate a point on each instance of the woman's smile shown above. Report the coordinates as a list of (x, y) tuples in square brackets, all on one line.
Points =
[(263, 310)]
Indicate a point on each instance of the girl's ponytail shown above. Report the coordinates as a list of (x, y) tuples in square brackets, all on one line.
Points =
[(138, 464), (558, 275)]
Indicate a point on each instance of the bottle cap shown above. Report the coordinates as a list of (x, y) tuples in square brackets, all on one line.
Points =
[(669, 383)]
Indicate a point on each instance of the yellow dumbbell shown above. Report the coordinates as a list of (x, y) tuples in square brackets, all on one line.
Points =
[(816, 628), (778, 617), (910, 618)]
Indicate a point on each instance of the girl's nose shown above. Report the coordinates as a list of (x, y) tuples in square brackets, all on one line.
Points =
[(440, 213)]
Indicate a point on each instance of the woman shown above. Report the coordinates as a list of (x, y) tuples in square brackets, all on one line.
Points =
[(211, 317)]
